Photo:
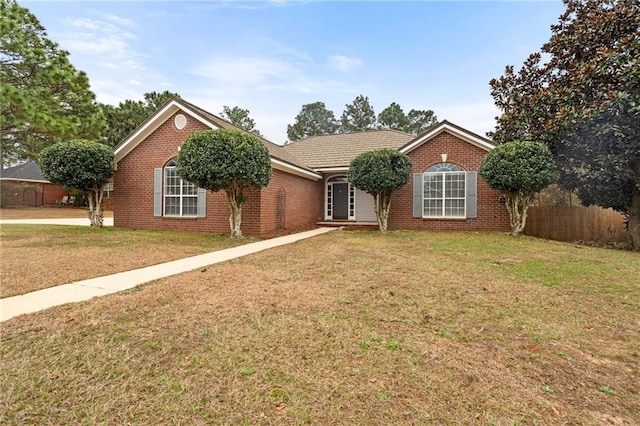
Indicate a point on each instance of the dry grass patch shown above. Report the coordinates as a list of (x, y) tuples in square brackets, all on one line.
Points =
[(346, 328), (40, 256), (47, 213)]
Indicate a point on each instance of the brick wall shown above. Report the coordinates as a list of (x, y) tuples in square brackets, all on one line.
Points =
[(290, 202), (492, 216), (133, 193)]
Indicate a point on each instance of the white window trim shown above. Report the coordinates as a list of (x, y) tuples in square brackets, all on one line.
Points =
[(351, 208), (181, 196), (444, 198)]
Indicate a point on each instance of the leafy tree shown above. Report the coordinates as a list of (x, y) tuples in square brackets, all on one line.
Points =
[(129, 114), (43, 98), (313, 120), (415, 123), (379, 173), (358, 116), (240, 117), (81, 165), (520, 169), (420, 121), (229, 160), (584, 103), (393, 117)]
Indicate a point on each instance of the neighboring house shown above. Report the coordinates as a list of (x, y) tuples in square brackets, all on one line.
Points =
[(309, 182), (24, 185)]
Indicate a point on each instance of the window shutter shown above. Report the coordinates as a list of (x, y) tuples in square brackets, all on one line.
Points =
[(157, 192), (472, 194), (417, 195), (202, 202)]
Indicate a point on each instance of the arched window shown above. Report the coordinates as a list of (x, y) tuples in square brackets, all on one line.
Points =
[(180, 197), (444, 191)]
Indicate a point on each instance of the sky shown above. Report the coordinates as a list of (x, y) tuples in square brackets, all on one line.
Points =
[(273, 57)]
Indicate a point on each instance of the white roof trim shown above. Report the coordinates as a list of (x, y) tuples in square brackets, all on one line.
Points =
[(331, 169), (150, 126), (289, 168), (446, 127), (165, 113)]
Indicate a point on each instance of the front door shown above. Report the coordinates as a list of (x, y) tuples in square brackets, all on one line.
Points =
[(340, 201)]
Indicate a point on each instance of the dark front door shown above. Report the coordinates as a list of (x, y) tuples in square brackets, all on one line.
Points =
[(340, 201)]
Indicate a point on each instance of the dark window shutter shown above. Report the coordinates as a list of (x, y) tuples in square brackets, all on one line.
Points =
[(417, 195), (472, 194), (202, 202), (157, 192)]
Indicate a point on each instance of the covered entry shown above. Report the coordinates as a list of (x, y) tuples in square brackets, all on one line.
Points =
[(340, 196), (346, 203)]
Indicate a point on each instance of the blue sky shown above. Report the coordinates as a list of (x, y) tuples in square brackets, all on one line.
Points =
[(272, 57)]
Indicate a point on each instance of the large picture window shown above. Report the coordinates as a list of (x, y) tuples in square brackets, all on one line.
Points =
[(180, 196), (444, 191)]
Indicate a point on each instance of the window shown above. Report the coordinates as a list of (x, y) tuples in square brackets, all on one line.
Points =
[(180, 196), (107, 190), (444, 191)]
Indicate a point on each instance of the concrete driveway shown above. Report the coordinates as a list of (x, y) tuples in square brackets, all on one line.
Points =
[(108, 221)]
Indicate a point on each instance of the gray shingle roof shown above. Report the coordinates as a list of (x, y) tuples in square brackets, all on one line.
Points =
[(338, 150), (28, 171)]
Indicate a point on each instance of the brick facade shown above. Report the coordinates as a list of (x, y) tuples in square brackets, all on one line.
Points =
[(288, 202), (492, 215)]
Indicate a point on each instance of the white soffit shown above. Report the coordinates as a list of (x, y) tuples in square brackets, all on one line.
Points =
[(285, 167)]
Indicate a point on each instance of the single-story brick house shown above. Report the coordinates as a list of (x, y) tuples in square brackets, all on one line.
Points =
[(24, 185), (309, 182)]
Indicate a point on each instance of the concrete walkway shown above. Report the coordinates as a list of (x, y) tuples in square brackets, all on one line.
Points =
[(108, 221), (83, 290)]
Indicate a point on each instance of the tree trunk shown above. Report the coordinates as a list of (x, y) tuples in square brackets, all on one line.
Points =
[(381, 207), (94, 197), (633, 224), (236, 200), (517, 205)]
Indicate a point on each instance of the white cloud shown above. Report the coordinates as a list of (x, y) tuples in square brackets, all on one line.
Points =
[(343, 63), (246, 71), (119, 20), (99, 37)]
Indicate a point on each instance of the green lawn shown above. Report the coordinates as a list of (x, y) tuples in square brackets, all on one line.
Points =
[(346, 328)]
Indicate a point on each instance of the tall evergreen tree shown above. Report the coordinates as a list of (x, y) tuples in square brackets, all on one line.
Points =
[(393, 117), (314, 119), (43, 98), (129, 114), (240, 117), (415, 123), (419, 121), (358, 116)]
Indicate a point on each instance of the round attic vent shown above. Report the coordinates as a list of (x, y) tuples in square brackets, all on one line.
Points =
[(180, 121)]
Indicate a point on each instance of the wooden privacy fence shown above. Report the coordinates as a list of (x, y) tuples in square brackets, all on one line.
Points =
[(566, 223)]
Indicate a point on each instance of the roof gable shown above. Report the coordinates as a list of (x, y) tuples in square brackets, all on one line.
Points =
[(455, 130), (280, 159)]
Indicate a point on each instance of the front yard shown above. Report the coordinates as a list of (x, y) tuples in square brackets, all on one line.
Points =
[(345, 328), (40, 256)]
